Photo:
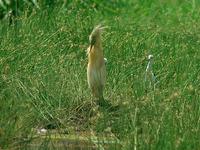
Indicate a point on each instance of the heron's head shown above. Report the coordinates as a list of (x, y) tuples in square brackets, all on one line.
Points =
[(95, 36), (150, 57)]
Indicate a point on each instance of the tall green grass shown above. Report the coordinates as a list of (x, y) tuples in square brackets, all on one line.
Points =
[(43, 73)]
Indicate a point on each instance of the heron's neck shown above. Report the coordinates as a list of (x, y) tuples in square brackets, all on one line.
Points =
[(96, 55)]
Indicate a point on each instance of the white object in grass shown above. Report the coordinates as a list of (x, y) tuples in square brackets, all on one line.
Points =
[(149, 75), (105, 59)]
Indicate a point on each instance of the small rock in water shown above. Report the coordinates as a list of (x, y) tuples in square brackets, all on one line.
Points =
[(42, 131)]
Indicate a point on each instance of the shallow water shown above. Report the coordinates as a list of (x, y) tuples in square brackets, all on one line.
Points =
[(78, 141)]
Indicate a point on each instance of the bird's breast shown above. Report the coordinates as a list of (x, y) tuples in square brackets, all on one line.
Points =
[(96, 75)]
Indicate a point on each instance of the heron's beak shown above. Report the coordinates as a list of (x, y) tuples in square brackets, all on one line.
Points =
[(92, 42), (91, 46)]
